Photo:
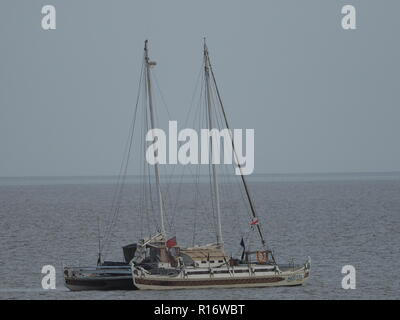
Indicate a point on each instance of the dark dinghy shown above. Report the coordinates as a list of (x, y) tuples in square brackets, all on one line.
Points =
[(108, 275)]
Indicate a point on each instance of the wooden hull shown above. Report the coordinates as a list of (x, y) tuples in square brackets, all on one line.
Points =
[(182, 281)]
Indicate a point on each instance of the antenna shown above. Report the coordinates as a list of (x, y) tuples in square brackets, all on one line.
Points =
[(98, 235)]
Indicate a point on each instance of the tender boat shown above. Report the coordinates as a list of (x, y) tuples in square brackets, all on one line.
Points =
[(110, 275), (99, 278), (107, 275)]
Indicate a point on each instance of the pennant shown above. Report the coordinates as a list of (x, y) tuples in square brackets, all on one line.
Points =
[(171, 242), (244, 249), (242, 243), (254, 221)]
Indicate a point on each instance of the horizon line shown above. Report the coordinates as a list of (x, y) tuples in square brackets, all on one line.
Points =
[(188, 174)]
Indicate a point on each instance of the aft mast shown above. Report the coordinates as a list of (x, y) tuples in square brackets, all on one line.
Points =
[(246, 188), (210, 127), (149, 64)]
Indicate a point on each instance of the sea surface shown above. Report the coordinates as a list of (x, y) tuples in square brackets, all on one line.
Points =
[(337, 220)]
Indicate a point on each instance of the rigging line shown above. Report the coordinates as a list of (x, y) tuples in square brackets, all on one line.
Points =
[(129, 141), (235, 209), (196, 204), (182, 175), (172, 219), (168, 204), (143, 202), (144, 208), (118, 207), (175, 206), (194, 93), (186, 120), (116, 191), (150, 198), (239, 166), (212, 188), (125, 160), (212, 198), (164, 195), (220, 115), (145, 126), (119, 198), (149, 175), (213, 149), (144, 197), (179, 194), (201, 117), (220, 127), (153, 73), (168, 177)]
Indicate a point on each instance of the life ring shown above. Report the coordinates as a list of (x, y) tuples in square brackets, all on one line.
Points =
[(262, 257)]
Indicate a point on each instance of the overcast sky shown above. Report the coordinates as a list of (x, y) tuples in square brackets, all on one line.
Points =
[(321, 99)]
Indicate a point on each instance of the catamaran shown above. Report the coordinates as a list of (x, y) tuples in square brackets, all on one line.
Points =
[(208, 266)]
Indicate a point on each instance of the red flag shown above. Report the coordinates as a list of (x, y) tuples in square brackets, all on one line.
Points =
[(254, 221), (171, 242)]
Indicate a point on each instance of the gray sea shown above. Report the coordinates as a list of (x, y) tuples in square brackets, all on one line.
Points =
[(337, 220)]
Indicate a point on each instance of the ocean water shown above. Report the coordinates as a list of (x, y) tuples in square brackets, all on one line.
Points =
[(336, 220)]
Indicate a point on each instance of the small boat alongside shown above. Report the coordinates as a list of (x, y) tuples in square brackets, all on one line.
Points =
[(107, 275), (110, 275), (99, 278)]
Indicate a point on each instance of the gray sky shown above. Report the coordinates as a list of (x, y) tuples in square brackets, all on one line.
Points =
[(320, 99)]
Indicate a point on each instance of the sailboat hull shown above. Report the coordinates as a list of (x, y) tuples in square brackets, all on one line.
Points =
[(220, 278), (100, 284), (98, 278)]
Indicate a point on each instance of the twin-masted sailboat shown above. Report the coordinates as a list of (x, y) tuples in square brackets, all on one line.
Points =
[(159, 263), (208, 266)]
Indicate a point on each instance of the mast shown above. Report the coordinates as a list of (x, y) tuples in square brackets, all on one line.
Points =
[(98, 235), (152, 124), (210, 127), (246, 188)]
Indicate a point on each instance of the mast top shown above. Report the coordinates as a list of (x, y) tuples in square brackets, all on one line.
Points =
[(149, 63), (205, 46)]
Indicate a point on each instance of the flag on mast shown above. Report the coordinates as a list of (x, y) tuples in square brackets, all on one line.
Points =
[(242, 243), (254, 221), (244, 248), (171, 242)]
